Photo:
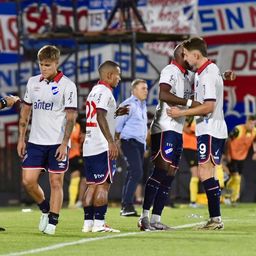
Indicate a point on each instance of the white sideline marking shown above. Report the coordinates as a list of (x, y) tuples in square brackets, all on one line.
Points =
[(88, 240)]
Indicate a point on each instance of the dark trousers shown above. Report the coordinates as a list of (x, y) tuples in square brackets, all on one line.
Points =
[(134, 154)]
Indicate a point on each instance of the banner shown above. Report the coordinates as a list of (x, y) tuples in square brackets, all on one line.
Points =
[(227, 21)]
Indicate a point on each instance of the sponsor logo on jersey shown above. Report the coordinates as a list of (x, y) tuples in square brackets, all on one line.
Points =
[(43, 105)]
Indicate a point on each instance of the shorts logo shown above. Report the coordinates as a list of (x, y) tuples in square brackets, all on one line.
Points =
[(62, 165), (168, 151), (98, 176)]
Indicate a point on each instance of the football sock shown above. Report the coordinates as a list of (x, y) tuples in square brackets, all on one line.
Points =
[(89, 212), (44, 206), (151, 189), (193, 188), (100, 211), (53, 218), (73, 191), (212, 190)]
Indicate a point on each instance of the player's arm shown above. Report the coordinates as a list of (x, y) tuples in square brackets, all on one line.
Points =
[(8, 101), (171, 99), (61, 152), (204, 109), (102, 121), (23, 125)]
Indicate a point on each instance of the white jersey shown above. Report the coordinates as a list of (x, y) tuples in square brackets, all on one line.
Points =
[(49, 99), (209, 86), (180, 82), (100, 97)]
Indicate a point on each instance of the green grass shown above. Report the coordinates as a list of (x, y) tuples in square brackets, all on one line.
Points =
[(238, 238)]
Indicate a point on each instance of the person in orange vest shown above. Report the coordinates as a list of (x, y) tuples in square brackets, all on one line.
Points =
[(190, 155), (240, 140), (75, 164)]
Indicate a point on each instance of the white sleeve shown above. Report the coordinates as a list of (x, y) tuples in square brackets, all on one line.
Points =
[(168, 76), (27, 96), (102, 99), (70, 96)]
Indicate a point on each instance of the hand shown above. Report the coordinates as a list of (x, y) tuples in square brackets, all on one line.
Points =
[(229, 75), (11, 100), (21, 148), (61, 153), (124, 110), (254, 156), (174, 112), (113, 150)]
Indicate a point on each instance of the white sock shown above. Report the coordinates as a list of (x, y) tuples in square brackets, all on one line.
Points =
[(98, 223), (155, 218), (218, 218), (145, 213), (88, 223)]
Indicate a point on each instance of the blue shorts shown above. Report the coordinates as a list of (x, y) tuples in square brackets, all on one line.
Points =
[(210, 148), (43, 157), (98, 168), (169, 145)]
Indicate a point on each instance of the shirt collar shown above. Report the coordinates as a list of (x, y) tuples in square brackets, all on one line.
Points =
[(183, 70), (105, 84), (55, 79), (201, 69)]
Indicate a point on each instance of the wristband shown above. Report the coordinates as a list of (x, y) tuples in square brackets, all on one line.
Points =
[(3, 102), (189, 103)]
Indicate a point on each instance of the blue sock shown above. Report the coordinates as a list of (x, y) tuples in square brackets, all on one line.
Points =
[(44, 206), (212, 190), (89, 212), (53, 218), (100, 211), (151, 189), (162, 195)]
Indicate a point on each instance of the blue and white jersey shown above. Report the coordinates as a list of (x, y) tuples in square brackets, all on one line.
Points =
[(180, 82), (100, 97), (49, 99), (209, 87)]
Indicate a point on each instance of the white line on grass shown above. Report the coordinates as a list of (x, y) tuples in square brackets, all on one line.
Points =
[(88, 240)]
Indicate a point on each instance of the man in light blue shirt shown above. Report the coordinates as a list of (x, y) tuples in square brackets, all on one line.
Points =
[(131, 129)]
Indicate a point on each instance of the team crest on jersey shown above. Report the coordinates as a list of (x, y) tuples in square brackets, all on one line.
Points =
[(55, 90)]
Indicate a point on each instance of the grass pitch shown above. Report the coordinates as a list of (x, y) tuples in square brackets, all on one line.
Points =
[(238, 238)]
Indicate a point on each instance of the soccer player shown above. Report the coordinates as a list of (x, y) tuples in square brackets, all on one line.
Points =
[(7, 101), (132, 130), (52, 99), (211, 130), (99, 148), (166, 140), (240, 140)]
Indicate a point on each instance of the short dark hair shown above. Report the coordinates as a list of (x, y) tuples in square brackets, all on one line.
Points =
[(251, 118), (48, 52), (107, 64), (136, 82), (196, 43)]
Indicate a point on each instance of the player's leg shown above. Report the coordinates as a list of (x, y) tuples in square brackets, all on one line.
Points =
[(209, 154), (56, 170), (30, 175)]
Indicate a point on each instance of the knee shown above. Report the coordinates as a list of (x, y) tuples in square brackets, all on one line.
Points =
[(56, 184), (27, 183)]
